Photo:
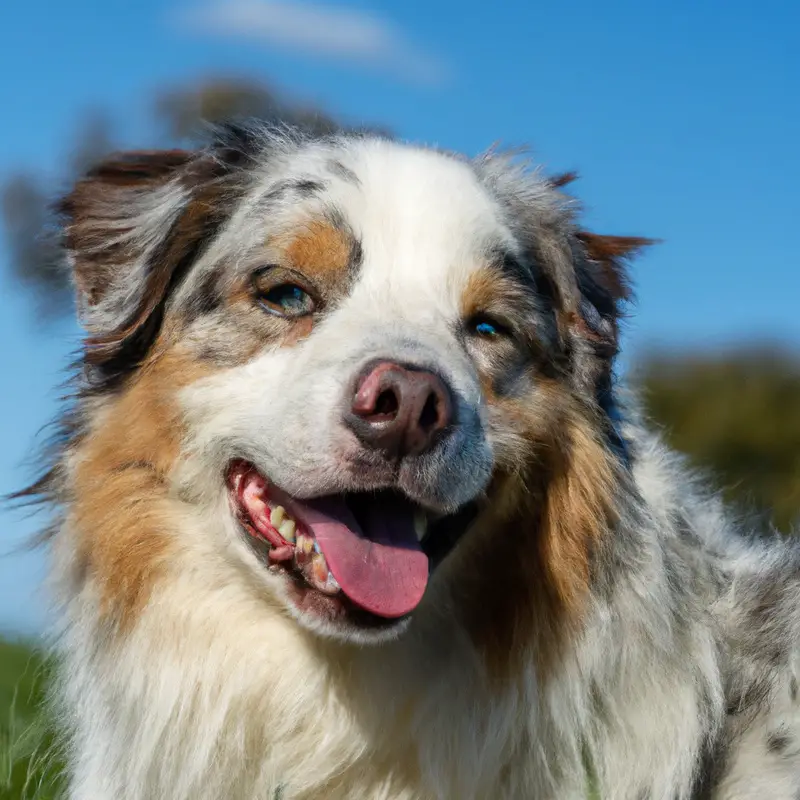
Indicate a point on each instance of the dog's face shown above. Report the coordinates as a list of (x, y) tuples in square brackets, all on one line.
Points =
[(343, 354)]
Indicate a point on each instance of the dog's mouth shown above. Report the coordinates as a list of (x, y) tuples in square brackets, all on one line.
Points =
[(360, 552)]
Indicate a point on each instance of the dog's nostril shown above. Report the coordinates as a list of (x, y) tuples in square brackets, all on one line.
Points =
[(387, 404), (429, 418)]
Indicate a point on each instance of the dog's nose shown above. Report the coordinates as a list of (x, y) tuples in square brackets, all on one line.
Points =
[(399, 410)]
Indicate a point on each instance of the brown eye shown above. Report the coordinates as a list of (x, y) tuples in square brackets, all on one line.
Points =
[(284, 298)]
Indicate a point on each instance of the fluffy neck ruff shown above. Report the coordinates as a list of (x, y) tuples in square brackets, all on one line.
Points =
[(523, 656)]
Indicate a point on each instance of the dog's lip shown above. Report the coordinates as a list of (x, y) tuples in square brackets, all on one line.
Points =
[(445, 531)]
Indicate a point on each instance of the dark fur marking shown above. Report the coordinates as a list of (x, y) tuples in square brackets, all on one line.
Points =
[(343, 172), (276, 192), (712, 762), (512, 379), (793, 688), (749, 697), (778, 742), (207, 297), (511, 265), (307, 187), (356, 257), (508, 263)]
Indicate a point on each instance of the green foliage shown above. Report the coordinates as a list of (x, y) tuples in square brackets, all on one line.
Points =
[(28, 764), (736, 414)]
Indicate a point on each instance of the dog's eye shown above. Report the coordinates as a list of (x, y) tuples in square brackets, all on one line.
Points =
[(486, 328), (288, 299), (280, 295)]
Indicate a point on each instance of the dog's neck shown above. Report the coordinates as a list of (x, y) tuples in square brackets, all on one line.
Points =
[(260, 701)]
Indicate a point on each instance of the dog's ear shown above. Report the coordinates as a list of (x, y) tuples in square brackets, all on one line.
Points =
[(603, 285), (594, 289), (131, 227)]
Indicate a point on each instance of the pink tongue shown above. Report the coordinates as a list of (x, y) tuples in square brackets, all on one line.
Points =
[(385, 573)]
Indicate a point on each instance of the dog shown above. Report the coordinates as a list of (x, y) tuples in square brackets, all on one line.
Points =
[(349, 502)]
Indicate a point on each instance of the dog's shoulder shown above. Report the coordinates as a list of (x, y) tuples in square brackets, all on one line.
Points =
[(759, 619)]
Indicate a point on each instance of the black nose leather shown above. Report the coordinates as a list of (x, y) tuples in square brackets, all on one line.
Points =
[(399, 410)]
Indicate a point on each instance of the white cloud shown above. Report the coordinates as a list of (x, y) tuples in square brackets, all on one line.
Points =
[(323, 30)]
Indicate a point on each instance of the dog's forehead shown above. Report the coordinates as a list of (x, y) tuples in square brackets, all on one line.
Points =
[(400, 227), (422, 218)]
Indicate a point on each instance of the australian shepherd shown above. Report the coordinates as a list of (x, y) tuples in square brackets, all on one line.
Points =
[(350, 504)]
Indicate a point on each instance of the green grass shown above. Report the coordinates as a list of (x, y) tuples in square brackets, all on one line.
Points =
[(28, 768)]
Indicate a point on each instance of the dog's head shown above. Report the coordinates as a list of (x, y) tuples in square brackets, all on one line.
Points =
[(332, 363)]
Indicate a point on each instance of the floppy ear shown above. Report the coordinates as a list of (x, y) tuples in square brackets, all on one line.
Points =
[(132, 226)]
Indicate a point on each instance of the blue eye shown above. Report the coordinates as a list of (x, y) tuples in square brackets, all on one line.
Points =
[(291, 299), (285, 299), (487, 328)]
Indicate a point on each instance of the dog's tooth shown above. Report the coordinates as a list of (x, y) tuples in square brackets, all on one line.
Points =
[(320, 576), (420, 523), (287, 529), (277, 516), (320, 567), (306, 543), (300, 555)]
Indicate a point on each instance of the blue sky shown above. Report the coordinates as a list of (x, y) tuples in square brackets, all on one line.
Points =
[(682, 117)]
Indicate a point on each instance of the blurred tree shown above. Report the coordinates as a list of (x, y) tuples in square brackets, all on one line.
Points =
[(34, 258), (32, 240), (184, 111), (736, 414), (181, 116)]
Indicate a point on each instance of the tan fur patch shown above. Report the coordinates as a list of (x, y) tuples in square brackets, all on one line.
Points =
[(480, 291), (321, 251), (489, 289), (121, 514), (535, 540), (577, 513)]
